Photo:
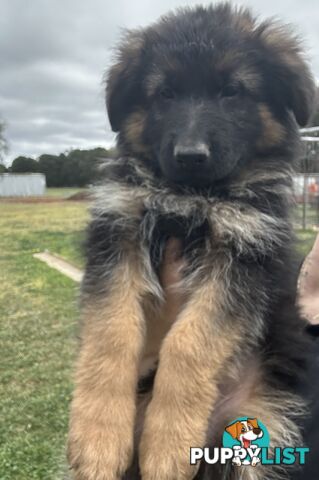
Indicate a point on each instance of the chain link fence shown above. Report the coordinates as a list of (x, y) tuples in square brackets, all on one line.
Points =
[(306, 184), (306, 188)]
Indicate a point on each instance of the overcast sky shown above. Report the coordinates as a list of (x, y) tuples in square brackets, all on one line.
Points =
[(53, 54)]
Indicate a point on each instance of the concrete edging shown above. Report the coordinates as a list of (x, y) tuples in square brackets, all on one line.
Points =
[(58, 263)]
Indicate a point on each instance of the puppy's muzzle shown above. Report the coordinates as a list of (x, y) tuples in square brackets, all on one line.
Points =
[(191, 157)]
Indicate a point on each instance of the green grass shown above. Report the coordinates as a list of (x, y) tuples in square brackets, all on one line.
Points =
[(306, 240), (57, 227), (62, 192), (38, 314), (311, 216), (38, 317)]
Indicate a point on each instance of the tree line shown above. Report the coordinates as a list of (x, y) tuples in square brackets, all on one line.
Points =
[(76, 168), (3, 144)]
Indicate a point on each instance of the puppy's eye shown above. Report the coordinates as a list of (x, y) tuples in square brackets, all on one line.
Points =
[(230, 91), (167, 93), (243, 430)]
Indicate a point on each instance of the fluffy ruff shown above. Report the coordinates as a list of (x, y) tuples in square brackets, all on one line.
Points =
[(206, 158)]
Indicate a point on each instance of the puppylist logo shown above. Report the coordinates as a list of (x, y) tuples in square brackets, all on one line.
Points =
[(246, 443)]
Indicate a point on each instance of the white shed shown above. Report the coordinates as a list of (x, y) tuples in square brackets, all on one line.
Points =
[(22, 184)]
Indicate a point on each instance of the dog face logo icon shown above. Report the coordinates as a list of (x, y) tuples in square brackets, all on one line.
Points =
[(245, 432), (246, 436)]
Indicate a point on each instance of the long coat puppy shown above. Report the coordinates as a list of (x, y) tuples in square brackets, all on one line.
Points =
[(206, 103)]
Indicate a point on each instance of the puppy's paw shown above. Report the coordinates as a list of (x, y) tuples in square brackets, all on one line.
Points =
[(164, 465), (164, 456), (100, 448), (98, 456)]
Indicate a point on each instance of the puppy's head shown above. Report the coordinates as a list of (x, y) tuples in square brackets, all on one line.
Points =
[(204, 91)]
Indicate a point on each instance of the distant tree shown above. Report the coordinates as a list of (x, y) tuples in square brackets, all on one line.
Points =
[(70, 171), (75, 168), (3, 142), (24, 165), (315, 117), (110, 153), (3, 168), (80, 167), (51, 166)]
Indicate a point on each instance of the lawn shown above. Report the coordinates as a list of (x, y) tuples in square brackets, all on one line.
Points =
[(38, 314), (305, 240), (310, 219), (62, 192), (38, 317)]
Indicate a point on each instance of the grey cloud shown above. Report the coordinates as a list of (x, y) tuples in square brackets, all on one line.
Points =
[(54, 53)]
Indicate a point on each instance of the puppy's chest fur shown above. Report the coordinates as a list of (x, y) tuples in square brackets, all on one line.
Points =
[(136, 204)]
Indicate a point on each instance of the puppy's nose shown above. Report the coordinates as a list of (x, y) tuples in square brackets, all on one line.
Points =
[(191, 156)]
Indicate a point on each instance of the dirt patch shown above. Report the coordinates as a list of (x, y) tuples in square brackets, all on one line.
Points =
[(31, 199), (80, 196)]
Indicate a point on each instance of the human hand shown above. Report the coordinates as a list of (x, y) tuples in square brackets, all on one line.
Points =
[(308, 285), (170, 276)]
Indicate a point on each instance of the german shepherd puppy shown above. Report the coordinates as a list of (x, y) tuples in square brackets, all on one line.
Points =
[(206, 103)]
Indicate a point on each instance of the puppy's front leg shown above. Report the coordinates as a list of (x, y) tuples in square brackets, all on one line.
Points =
[(103, 409), (185, 390)]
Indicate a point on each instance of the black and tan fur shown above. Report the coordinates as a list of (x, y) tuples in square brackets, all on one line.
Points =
[(237, 346)]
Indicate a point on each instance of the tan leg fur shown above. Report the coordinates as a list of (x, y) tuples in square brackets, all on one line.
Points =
[(100, 445), (192, 355)]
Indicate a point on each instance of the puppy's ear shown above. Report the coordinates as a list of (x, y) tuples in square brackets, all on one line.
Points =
[(288, 74), (123, 82), (233, 429), (253, 422)]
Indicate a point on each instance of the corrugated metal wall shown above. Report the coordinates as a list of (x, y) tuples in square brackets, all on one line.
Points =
[(22, 185)]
